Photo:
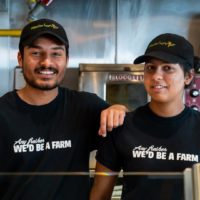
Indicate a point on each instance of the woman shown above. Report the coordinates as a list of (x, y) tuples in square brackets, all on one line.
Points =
[(162, 136)]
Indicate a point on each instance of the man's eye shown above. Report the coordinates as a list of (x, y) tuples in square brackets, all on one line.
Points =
[(35, 53), (57, 54)]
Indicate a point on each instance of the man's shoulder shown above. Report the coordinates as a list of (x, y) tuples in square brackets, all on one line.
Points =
[(9, 96), (6, 102), (79, 95), (83, 98), (68, 91)]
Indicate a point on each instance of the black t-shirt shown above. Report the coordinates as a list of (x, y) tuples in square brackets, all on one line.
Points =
[(56, 137), (149, 143)]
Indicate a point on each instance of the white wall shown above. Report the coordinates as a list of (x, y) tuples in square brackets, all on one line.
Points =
[(114, 31)]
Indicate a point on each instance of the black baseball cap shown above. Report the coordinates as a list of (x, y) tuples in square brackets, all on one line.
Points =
[(40, 27), (171, 48)]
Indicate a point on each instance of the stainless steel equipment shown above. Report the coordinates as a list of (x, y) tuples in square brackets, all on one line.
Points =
[(115, 83), (196, 180)]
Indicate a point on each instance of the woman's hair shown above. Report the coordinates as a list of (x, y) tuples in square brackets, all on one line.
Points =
[(195, 69), (197, 64)]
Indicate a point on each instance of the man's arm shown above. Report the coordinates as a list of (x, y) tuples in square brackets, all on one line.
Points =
[(104, 183), (112, 117)]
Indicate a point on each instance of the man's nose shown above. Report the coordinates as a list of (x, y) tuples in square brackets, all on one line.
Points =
[(46, 61)]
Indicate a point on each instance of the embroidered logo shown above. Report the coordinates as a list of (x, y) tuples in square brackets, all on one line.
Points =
[(52, 26), (167, 44)]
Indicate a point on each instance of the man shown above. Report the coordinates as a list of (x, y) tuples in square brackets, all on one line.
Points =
[(48, 131)]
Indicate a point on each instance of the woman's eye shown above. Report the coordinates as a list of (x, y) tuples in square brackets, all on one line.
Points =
[(168, 68), (149, 68)]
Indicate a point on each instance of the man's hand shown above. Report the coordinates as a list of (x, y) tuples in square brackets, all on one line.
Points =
[(112, 117)]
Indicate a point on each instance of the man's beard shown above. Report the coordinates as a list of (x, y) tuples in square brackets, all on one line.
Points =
[(47, 86), (35, 85)]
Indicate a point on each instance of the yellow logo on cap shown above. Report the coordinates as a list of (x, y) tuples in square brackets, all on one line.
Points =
[(53, 26), (167, 44)]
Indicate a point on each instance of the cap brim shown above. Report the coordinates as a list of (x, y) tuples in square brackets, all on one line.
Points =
[(34, 37), (159, 55)]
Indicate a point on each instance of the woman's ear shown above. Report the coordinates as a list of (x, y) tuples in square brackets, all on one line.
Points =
[(189, 77)]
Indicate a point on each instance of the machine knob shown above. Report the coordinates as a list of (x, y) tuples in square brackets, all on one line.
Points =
[(194, 93), (195, 107)]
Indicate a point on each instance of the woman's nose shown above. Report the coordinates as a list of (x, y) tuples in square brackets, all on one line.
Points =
[(158, 74)]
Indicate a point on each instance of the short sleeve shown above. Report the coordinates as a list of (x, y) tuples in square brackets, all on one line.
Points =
[(107, 154)]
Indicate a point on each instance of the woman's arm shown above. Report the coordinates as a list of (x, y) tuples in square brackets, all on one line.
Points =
[(104, 183)]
